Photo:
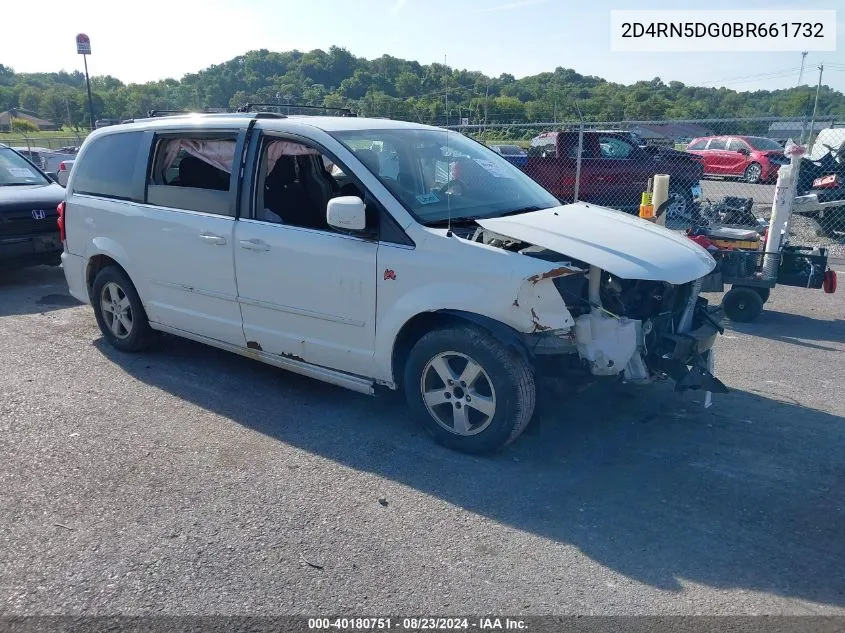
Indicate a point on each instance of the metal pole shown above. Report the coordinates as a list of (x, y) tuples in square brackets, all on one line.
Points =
[(578, 156), (88, 85), (815, 106)]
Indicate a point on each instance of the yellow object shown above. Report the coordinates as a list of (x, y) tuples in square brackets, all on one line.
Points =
[(742, 244), (646, 207), (660, 194)]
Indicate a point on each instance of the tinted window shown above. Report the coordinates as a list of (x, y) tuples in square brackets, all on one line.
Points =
[(698, 144), (717, 143), (734, 145), (107, 167), (612, 147)]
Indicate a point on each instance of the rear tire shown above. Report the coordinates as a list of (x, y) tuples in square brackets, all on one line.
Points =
[(470, 392), (119, 311), (742, 304)]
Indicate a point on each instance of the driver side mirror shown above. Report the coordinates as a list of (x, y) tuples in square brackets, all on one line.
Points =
[(744, 151), (346, 213)]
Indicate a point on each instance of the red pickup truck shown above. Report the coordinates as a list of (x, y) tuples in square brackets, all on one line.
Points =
[(614, 170)]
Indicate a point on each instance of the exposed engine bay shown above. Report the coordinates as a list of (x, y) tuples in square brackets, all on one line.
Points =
[(636, 329)]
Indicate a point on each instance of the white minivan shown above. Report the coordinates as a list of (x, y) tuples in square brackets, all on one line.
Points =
[(368, 253)]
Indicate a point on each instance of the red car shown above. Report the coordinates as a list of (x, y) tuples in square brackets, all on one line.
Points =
[(752, 158)]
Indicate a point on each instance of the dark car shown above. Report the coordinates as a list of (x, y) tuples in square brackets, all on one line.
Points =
[(614, 170), (29, 234), (514, 154)]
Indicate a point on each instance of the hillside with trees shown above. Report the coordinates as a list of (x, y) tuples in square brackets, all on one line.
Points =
[(391, 87)]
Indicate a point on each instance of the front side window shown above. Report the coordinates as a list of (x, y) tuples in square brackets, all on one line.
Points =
[(192, 173), (296, 182), (698, 145), (15, 170), (439, 174), (107, 167)]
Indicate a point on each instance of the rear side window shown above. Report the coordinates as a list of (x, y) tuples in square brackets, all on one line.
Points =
[(699, 144), (717, 143), (192, 173), (107, 168)]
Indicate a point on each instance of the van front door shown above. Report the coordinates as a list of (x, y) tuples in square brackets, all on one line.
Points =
[(307, 292)]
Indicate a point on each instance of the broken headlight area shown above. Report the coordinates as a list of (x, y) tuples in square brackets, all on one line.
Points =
[(638, 330)]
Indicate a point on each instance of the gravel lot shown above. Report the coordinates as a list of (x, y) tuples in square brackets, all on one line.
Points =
[(187, 480)]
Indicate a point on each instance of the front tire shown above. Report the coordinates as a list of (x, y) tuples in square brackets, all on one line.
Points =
[(119, 311), (470, 392), (753, 174)]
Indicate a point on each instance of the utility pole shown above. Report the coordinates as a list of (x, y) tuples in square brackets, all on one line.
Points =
[(486, 94), (816, 104), (801, 73)]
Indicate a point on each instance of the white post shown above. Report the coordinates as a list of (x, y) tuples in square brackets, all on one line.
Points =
[(781, 209)]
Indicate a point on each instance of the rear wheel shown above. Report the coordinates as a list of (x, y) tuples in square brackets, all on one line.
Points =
[(742, 304), (753, 173), (470, 392), (119, 311)]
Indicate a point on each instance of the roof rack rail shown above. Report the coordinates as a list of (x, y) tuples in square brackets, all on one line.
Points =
[(249, 107), (155, 113)]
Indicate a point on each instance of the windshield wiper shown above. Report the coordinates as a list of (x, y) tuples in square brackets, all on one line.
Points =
[(516, 212), (461, 221), (16, 184), (469, 219)]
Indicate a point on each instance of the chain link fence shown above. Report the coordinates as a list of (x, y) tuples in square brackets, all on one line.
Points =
[(720, 169)]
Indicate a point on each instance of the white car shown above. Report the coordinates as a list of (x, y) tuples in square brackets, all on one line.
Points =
[(428, 263)]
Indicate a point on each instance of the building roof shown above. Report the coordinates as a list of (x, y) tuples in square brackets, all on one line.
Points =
[(788, 126), (26, 115)]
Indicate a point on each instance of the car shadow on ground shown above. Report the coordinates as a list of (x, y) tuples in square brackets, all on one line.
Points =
[(748, 494), (34, 290)]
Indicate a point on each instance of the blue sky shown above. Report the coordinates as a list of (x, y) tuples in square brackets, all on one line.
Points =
[(168, 38)]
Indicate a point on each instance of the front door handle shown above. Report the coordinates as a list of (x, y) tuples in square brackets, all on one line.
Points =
[(255, 245), (211, 238)]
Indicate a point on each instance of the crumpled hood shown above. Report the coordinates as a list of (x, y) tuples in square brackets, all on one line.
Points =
[(617, 242)]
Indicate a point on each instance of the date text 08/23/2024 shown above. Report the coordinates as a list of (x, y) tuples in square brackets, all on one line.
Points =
[(416, 624)]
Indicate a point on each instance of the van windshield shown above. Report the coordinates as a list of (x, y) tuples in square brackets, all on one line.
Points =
[(15, 170), (439, 174)]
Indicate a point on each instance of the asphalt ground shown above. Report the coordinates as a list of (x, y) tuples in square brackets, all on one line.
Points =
[(187, 480)]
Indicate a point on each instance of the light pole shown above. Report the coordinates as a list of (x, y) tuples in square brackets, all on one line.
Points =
[(83, 47)]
